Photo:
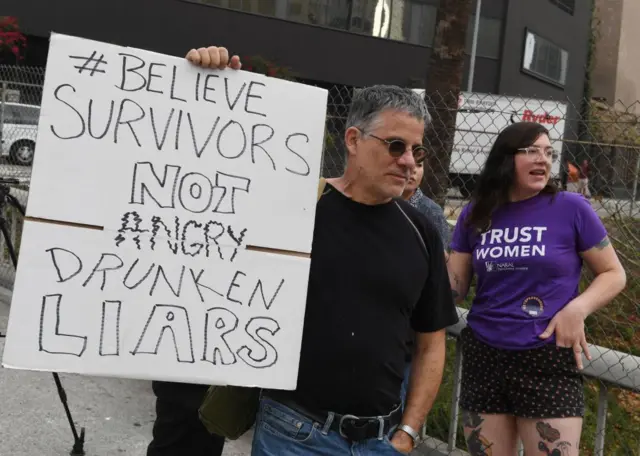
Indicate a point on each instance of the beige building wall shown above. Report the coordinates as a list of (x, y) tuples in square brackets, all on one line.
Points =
[(616, 73), (628, 74), (607, 24)]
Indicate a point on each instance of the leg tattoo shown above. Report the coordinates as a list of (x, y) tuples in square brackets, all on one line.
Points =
[(471, 419), (477, 444), (564, 447), (549, 434)]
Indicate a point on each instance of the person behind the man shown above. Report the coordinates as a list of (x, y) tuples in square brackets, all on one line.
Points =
[(177, 429), (426, 205), (378, 269), (435, 215)]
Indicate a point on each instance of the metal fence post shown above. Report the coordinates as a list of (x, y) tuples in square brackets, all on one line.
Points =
[(4, 94), (14, 229), (601, 423), (457, 376), (634, 190)]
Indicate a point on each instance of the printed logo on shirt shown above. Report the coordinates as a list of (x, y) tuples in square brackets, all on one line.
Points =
[(533, 306), (511, 243), (492, 266)]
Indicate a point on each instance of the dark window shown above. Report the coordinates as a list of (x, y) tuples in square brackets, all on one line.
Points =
[(402, 20), (419, 23), (413, 21), (567, 5), (20, 114), (544, 59), (489, 33)]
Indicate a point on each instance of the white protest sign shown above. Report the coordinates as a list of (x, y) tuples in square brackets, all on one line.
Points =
[(170, 218)]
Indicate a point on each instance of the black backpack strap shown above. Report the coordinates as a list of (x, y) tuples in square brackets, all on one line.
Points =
[(415, 229)]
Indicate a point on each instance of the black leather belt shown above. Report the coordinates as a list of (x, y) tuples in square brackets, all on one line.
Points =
[(351, 427)]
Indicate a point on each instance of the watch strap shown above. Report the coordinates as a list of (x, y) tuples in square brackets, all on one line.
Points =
[(409, 430)]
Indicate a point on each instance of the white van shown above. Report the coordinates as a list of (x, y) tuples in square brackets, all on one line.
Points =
[(481, 116), (18, 132)]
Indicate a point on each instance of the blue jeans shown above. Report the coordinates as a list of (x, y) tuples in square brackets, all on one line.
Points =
[(281, 431)]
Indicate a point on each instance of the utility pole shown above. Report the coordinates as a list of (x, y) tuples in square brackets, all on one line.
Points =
[(474, 47)]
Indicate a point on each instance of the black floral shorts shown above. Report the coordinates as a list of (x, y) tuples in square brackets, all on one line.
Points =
[(537, 383)]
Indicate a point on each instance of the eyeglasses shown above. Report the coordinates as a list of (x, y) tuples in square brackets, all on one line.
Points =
[(548, 153), (398, 147)]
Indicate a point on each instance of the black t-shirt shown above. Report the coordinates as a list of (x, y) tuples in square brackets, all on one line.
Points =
[(370, 283)]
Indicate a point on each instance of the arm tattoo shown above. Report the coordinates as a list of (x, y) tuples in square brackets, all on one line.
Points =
[(455, 289), (603, 243)]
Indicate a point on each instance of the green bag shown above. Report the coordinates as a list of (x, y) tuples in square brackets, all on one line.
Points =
[(230, 411)]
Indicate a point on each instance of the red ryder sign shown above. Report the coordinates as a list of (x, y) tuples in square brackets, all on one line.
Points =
[(481, 116), (546, 118)]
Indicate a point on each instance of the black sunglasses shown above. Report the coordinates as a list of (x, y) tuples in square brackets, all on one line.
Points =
[(398, 147)]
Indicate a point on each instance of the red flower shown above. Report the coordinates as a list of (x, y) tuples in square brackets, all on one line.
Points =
[(10, 36)]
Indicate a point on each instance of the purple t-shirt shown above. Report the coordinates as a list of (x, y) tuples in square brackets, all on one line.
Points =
[(527, 265)]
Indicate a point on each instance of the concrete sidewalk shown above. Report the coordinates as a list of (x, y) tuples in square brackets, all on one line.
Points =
[(118, 414)]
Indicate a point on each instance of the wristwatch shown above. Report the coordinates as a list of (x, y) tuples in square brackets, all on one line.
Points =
[(412, 433)]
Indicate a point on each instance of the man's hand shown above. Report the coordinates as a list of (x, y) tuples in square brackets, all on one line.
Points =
[(402, 442), (213, 57), (568, 324)]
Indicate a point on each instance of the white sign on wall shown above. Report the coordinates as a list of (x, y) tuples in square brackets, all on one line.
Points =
[(481, 116), (170, 220)]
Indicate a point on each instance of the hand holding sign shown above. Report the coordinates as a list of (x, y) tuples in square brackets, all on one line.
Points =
[(213, 57)]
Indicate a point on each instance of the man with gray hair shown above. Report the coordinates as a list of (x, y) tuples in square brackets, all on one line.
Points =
[(378, 271)]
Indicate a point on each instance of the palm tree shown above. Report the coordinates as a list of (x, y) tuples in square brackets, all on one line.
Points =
[(443, 84)]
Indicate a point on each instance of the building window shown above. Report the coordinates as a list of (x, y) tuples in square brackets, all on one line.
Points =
[(567, 5), (412, 21), (544, 59), (419, 23), (489, 34), (20, 114)]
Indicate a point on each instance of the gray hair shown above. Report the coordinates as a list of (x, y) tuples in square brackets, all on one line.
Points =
[(370, 102)]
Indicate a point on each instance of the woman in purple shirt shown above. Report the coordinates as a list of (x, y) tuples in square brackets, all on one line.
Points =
[(522, 350)]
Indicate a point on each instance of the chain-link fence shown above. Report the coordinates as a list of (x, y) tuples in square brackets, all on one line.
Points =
[(20, 97), (599, 156)]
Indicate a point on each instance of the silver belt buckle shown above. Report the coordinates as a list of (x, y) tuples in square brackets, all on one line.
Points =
[(345, 417), (380, 420)]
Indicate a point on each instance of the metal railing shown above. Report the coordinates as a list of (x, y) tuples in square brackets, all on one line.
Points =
[(611, 369)]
